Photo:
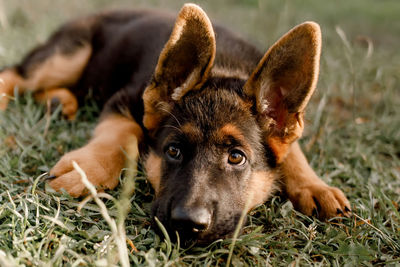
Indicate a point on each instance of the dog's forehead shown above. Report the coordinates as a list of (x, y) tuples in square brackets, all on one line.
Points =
[(193, 131), (219, 101), (215, 115)]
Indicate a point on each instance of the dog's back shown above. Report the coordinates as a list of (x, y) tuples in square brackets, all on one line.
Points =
[(119, 50), (127, 44)]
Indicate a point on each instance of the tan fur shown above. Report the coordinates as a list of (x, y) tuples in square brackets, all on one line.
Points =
[(280, 144), (152, 116), (279, 148), (67, 100), (303, 187), (170, 82), (231, 130), (102, 158), (261, 186), (191, 131), (56, 72), (152, 166)]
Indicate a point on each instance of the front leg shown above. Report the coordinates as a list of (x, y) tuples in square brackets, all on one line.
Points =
[(102, 158), (308, 193)]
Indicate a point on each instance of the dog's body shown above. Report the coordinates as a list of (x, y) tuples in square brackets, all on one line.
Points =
[(215, 120)]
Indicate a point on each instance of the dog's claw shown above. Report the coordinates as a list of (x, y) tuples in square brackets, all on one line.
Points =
[(314, 212), (339, 211), (54, 103), (50, 177)]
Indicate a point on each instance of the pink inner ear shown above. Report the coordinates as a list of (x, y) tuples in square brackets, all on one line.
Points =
[(275, 107)]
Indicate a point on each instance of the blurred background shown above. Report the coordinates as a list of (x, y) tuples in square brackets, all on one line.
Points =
[(263, 21)]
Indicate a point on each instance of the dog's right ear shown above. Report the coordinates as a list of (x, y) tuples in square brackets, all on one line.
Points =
[(184, 64)]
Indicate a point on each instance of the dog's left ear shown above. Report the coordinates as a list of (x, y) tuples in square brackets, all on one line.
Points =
[(283, 83), (184, 64)]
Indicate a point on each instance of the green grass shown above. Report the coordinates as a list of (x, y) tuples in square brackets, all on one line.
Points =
[(352, 140)]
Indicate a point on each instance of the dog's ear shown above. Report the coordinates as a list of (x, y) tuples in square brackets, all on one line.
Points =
[(184, 64), (283, 83)]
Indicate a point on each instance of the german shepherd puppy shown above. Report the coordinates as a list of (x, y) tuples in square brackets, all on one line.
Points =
[(214, 120)]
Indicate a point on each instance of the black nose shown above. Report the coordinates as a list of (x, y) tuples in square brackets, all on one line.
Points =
[(190, 219)]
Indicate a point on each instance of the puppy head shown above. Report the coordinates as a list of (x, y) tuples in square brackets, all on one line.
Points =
[(216, 141)]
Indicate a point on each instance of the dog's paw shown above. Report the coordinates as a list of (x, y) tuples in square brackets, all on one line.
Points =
[(59, 96), (321, 200), (102, 166)]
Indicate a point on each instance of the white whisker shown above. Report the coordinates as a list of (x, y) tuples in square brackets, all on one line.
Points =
[(172, 115), (174, 127)]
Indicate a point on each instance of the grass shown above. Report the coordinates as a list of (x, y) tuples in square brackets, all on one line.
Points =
[(352, 140)]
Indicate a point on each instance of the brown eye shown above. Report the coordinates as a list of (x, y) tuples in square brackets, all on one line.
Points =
[(173, 152), (236, 157)]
